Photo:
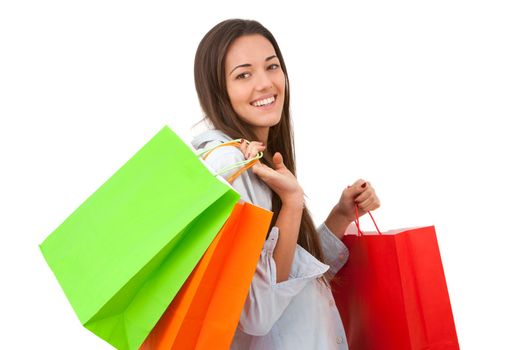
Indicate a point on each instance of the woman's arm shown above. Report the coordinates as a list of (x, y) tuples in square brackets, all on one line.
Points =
[(284, 183), (288, 222), (337, 222), (269, 295), (343, 213)]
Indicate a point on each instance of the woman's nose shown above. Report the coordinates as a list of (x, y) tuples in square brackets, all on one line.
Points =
[(263, 82)]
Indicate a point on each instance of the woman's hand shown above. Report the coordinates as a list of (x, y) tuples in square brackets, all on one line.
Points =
[(280, 179), (361, 193), (250, 150)]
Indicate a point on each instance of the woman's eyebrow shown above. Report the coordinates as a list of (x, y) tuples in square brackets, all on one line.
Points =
[(249, 65)]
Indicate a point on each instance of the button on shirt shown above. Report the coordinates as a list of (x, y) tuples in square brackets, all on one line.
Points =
[(299, 313)]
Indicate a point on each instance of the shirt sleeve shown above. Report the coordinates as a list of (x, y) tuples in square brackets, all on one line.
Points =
[(335, 252), (267, 299)]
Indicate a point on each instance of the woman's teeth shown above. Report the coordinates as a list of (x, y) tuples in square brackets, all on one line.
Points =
[(264, 102)]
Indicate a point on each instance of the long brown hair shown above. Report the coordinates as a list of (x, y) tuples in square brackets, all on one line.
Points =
[(210, 82)]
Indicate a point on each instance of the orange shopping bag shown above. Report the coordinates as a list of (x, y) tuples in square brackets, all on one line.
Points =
[(205, 312)]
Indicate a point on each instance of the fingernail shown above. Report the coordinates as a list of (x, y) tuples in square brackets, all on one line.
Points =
[(363, 185)]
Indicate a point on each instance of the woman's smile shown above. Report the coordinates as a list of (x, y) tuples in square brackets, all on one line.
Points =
[(265, 103)]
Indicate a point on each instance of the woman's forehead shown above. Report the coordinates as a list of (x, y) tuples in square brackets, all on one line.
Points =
[(249, 49)]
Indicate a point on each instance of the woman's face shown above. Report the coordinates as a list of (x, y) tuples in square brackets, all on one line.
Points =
[(255, 82)]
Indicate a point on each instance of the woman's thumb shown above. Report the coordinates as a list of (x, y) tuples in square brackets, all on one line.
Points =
[(278, 161), (356, 189)]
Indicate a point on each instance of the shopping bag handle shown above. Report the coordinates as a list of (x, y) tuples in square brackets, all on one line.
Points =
[(245, 164), (359, 232)]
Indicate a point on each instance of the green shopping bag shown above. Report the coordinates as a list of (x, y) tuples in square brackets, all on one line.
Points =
[(122, 256)]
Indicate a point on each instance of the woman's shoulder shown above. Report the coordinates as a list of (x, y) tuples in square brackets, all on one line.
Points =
[(222, 156), (212, 135), (247, 184)]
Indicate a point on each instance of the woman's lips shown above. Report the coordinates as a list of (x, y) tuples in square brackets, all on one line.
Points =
[(266, 107)]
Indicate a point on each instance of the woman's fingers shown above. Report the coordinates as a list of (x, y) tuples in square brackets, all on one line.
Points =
[(370, 204), (360, 193), (251, 150), (359, 183), (354, 190), (244, 148), (366, 204), (364, 195), (258, 147), (366, 200)]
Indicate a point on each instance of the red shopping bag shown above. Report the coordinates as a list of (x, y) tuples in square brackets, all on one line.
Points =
[(392, 292)]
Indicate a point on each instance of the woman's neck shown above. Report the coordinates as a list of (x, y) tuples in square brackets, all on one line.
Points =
[(261, 133)]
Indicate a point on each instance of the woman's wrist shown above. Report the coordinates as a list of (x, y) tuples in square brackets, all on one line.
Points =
[(294, 200), (337, 221), (343, 214)]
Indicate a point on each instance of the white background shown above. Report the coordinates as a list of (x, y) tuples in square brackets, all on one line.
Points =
[(423, 99)]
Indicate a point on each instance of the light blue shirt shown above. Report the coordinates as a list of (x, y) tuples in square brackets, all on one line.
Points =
[(299, 313)]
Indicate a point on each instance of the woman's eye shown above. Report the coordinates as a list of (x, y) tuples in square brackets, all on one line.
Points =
[(242, 76), (246, 74)]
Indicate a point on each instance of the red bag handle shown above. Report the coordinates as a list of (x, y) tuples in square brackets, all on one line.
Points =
[(359, 232)]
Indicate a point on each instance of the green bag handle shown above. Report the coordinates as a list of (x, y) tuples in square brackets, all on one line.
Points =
[(245, 164)]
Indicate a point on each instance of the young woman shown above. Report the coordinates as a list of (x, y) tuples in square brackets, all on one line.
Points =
[(243, 89)]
